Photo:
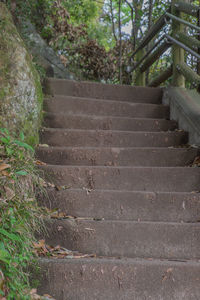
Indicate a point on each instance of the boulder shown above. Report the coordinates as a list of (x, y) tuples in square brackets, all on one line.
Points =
[(20, 89), (45, 55)]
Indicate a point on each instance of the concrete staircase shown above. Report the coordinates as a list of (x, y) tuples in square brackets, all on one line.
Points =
[(132, 187)]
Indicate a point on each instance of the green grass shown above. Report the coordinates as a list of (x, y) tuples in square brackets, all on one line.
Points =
[(20, 216)]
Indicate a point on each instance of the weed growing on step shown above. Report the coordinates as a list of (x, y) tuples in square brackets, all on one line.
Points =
[(20, 216)]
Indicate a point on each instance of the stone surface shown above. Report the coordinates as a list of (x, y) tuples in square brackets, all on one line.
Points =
[(185, 109), (125, 205), (111, 138), (163, 240), (98, 107), (120, 279), (123, 188), (76, 121), (45, 54), (103, 91), (163, 179), (157, 157), (21, 92)]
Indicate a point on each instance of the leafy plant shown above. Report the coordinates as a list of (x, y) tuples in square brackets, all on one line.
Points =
[(20, 217)]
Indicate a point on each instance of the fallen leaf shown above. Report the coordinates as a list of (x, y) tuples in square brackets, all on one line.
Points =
[(42, 249), (88, 191), (196, 162), (43, 145), (40, 244), (89, 229), (47, 297), (60, 215), (167, 274), (2, 280), (62, 187), (9, 193), (40, 163), (5, 173), (60, 228), (4, 167), (35, 296)]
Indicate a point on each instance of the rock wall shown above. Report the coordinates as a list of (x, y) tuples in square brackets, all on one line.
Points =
[(20, 89)]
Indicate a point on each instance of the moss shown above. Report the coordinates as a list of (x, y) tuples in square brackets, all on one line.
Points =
[(31, 137)]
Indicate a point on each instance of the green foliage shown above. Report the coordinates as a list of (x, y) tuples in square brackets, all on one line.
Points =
[(81, 31), (20, 216), (83, 11)]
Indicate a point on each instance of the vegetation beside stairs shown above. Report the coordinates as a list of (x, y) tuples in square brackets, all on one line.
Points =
[(20, 119), (20, 217)]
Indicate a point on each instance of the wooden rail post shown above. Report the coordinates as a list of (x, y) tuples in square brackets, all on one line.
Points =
[(140, 76), (177, 52)]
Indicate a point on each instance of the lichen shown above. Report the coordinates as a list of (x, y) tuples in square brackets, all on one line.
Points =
[(20, 89)]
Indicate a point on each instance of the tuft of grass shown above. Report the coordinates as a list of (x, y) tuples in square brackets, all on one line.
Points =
[(20, 216)]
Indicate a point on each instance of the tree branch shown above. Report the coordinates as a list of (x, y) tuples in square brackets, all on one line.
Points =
[(112, 19)]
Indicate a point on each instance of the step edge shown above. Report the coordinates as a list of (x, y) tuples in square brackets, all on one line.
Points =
[(128, 191), (123, 167), (107, 222), (77, 98), (124, 260), (108, 116), (52, 79), (43, 129), (119, 148)]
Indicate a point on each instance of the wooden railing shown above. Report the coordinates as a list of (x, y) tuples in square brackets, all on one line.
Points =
[(174, 23)]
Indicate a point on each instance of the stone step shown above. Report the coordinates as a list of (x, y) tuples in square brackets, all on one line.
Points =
[(109, 138), (120, 279), (143, 157), (73, 105), (124, 205), (163, 179), (60, 120), (103, 91), (126, 238)]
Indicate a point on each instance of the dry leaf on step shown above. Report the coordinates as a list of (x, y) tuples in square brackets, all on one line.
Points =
[(4, 167)]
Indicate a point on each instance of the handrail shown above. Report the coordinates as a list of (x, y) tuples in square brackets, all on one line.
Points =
[(187, 8), (177, 40), (155, 55), (189, 41), (166, 74), (183, 22), (147, 54), (174, 41), (151, 33), (188, 73)]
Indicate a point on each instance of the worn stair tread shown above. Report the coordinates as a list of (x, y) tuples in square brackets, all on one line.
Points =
[(120, 279), (161, 179), (103, 91), (77, 121), (106, 108), (117, 156), (126, 238), (93, 138), (124, 205), (121, 178)]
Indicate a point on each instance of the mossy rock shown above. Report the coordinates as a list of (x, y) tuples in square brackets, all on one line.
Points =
[(20, 89)]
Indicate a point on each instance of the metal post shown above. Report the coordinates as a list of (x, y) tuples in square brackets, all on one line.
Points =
[(177, 51)]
